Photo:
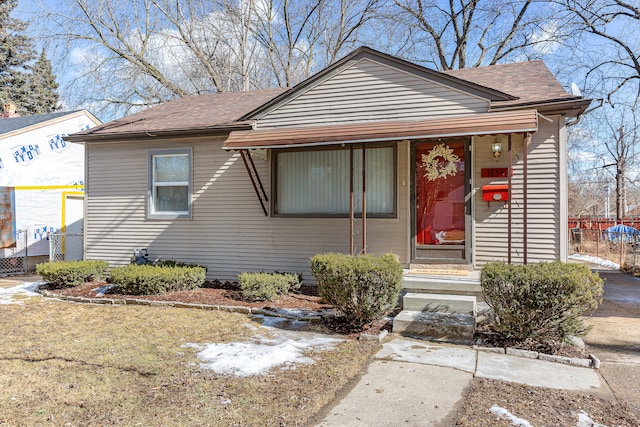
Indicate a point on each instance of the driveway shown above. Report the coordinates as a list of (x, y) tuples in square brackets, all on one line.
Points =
[(615, 337)]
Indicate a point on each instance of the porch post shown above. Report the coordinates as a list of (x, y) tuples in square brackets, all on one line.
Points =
[(364, 201), (351, 199), (527, 138), (510, 192)]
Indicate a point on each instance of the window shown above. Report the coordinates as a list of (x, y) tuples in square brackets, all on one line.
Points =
[(170, 183), (317, 182)]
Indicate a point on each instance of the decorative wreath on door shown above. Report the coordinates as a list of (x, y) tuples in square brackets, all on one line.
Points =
[(431, 162)]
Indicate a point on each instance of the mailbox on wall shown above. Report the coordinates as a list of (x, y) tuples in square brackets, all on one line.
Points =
[(495, 193)]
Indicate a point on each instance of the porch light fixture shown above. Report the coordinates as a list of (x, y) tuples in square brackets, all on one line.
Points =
[(496, 149)]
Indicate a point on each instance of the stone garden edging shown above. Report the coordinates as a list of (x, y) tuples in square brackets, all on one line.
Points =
[(309, 317), (591, 362)]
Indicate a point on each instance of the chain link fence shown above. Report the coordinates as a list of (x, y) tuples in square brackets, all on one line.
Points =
[(66, 246), (14, 260), (622, 248)]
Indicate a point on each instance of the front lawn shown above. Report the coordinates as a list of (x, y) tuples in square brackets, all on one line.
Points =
[(78, 364)]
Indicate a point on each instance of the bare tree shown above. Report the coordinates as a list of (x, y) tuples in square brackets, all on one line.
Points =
[(470, 33), (612, 138), (614, 50), (128, 55)]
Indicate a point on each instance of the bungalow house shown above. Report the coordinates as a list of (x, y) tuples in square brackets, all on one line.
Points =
[(41, 183), (373, 154)]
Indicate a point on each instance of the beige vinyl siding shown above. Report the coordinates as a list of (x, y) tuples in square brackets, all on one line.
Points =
[(371, 91), (543, 199), (228, 231)]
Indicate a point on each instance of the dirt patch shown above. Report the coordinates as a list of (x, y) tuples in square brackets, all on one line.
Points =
[(538, 406)]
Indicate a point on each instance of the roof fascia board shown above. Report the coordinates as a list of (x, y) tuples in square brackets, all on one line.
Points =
[(143, 135), (59, 119), (385, 139), (388, 60), (561, 106)]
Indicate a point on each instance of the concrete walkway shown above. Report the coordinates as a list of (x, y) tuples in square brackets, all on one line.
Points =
[(417, 383), (615, 337)]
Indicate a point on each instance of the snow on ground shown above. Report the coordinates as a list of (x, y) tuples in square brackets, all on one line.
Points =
[(27, 289), (595, 260), (100, 291), (503, 414), (585, 421), (271, 346)]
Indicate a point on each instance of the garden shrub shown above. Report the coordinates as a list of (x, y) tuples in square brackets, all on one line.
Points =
[(363, 288), (542, 301), (152, 279), (61, 274), (267, 286)]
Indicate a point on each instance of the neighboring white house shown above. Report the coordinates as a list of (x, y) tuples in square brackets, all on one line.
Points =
[(42, 180)]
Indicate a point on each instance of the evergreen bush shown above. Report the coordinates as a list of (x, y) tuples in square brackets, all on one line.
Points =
[(151, 279), (267, 286), (542, 301), (63, 274), (363, 288)]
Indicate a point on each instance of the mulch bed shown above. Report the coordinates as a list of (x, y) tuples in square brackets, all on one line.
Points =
[(214, 293)]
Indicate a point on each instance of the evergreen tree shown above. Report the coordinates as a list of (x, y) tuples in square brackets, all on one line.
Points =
[(30, 86), (42, 97)]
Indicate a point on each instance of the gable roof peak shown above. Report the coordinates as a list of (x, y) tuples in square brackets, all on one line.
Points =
[(365, 52)]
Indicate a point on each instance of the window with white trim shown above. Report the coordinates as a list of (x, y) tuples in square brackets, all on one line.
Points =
[(317, 182), (169, 183)]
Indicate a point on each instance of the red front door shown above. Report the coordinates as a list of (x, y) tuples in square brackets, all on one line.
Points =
[(440, 190)]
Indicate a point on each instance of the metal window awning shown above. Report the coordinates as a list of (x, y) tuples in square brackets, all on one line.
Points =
[(461, 125)]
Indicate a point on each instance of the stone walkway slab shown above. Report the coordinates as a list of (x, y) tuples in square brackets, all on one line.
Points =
[(538, 373), (417, 351)]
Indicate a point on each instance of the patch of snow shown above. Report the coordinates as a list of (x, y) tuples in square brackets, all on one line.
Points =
[(258, 355), (585, 421), (296, 312), (595, 260), (28, 289), (100, 291), (503, 414)]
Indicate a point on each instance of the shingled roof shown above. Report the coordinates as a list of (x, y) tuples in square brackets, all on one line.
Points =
[(197, 113), (531, 82), (523, 85), (12, 124)]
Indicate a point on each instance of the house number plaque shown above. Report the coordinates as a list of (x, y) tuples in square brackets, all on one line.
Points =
[(494, 172)]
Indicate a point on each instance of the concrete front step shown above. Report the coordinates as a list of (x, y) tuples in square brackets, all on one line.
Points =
[(442, 285), (438, 303), (456, 328)]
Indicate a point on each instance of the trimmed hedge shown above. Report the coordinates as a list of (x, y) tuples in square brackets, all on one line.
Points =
[(150, 279), (542, 301), (363, 288), (64, 274), (267, 286)]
